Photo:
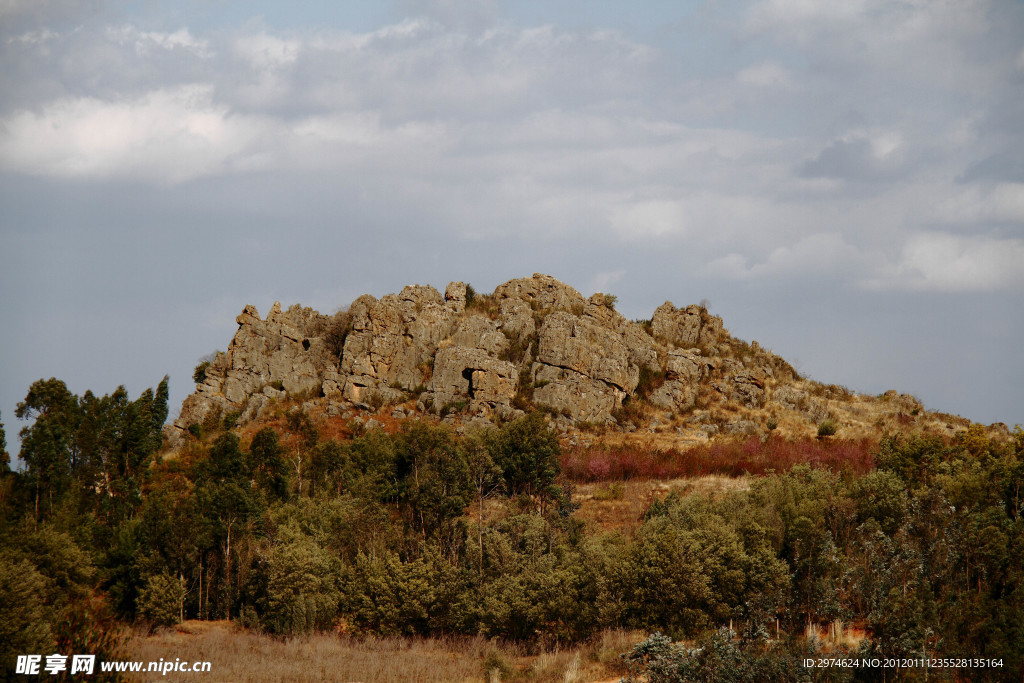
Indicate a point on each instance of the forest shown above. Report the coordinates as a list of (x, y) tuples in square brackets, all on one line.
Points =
[(293, 525)]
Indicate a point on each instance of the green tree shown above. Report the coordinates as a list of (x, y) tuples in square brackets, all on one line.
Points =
[(162, 600), (435, 487), (48, 446), (527, 451), (5, 458), (485, 477), (227, 500), (302, 586), (26, 624), (117, 438), (267, 464), (328, 467)]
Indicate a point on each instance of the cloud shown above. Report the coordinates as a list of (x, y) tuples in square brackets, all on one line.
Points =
[(167, 135), (265, 51), (978, 206), (940, 262), (908, 38), (1003, 165), (815, 255), (144, 41), (605, 279), (860, 156), (766, 75), (652, 218)]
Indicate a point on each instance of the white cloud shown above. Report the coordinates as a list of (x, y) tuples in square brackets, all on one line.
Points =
[(952, 263), (38, 37), (765, 75), (910, 41), (266, 51), (605, 279), (974, 205), (816, 254), (144, 41), (651, 218), (167, 135)]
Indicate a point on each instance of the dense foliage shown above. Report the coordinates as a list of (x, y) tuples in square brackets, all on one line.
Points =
[(429, 532)]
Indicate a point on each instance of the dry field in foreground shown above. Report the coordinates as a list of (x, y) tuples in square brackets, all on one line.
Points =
[(241, 656)]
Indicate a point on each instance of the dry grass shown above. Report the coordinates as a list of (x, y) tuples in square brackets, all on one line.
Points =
[(836, 636), (243, 656), (625, 512)]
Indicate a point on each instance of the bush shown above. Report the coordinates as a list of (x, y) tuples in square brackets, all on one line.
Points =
[(199, 374), (336, 331), (231, 419), (212, 420), (160, 600), (827, 428), (27, 616), (648, 382)]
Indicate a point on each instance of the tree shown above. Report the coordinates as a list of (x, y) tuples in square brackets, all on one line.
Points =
[(302, 585), (162, 600), (434, 480), (48, 445), (527, 451), (267, 464), (226, 497), (25, 626), (104, 445), (117, 439), (5, 458), (485, 476)]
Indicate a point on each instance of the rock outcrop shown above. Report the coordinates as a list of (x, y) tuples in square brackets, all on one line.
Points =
[(393, 340), (267, 358), (534, 342)]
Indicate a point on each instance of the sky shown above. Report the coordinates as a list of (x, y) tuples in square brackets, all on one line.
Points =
[(842, 180)]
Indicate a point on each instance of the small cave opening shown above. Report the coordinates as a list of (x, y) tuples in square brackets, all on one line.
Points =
[(467, 374), (305, 345)]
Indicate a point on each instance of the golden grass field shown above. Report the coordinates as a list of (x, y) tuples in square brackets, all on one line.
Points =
[(245, 657)]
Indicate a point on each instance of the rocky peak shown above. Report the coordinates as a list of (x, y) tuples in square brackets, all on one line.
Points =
[(533, 342)]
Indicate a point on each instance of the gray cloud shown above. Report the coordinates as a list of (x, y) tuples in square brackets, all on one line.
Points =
[(859, 158), (801, 173)]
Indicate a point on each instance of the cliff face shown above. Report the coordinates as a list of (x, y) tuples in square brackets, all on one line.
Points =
[(533, 342)]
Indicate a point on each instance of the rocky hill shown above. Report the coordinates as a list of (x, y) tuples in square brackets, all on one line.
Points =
[(533, 343)]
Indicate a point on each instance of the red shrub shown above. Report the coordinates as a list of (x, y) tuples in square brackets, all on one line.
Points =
[(731, 457)]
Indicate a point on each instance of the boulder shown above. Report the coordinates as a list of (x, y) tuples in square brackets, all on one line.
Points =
[(579, 344), (573, 394), (542, 293), (686, 327), (455, 296), (683, 373), (745, 386), (462, 373), (640, 346), (393, 339), (479, 332)]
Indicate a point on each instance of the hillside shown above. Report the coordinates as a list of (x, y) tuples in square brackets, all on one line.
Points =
[(520, 486), (676, 379)]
